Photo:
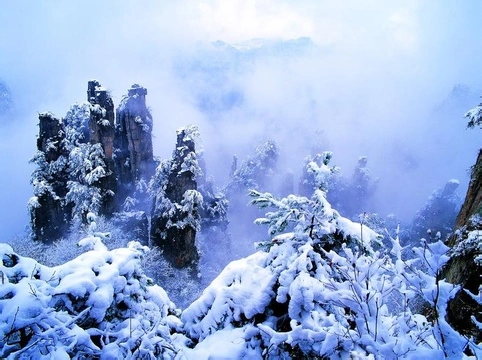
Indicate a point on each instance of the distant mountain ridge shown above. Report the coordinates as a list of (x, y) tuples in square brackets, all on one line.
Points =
[(212, 74), (270, 47)]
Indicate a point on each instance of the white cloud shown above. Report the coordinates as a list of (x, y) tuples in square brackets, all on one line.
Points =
[(240, 20)]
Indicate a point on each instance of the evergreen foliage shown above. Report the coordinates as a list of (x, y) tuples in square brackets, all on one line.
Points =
[(474, 117), (86, 169), (323, 286)]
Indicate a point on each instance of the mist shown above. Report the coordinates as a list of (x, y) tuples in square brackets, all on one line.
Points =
[(378, 79)]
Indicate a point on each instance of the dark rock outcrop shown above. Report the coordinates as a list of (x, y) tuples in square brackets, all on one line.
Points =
[(464, 267), (49, 216), (51, 135), (102, 118), (175, 215), (437, 217), (473, 200)]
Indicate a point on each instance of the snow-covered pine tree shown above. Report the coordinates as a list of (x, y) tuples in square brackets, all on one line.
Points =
[(308, 182), (474, 117), (175, 217), (308, 216), (98, 305), (87, 164), (86, 169), (351, 196)]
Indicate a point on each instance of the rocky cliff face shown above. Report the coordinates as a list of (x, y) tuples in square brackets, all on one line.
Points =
[(473, 200), (438, 214), (465, 265), (102, 119)]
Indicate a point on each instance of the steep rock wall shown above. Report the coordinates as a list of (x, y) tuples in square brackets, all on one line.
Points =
[(463, 268), (473, 200)]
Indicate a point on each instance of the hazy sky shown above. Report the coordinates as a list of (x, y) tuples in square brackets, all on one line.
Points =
[(377, 71)]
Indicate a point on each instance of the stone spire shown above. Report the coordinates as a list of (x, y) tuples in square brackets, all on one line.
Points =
[(49, 217), (175, 215), (133, 145), (102, 130)]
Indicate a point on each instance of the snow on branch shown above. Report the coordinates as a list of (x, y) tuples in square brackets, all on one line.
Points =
[(474, 117), (98, 305)]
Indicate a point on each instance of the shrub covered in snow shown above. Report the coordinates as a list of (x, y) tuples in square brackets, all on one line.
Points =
[(99, 304)]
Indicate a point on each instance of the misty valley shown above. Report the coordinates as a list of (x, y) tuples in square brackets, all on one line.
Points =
[(133, 256)]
